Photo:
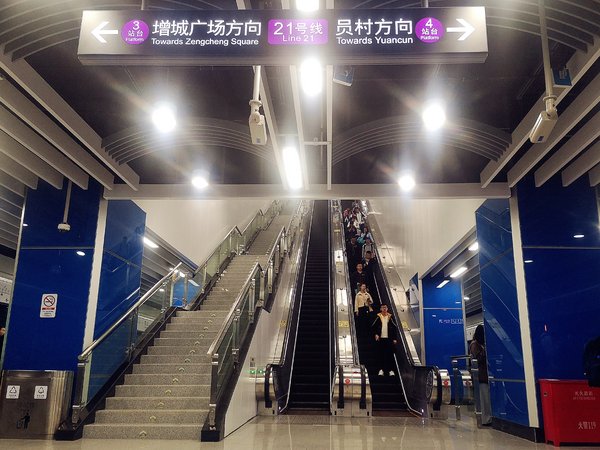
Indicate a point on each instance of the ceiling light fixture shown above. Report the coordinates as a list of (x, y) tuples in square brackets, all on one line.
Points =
[(307, 5), (434, 116), (458, 272), (466, 297), (579, 236), (406, 182), (474, 247), (291, 162), (163, 118), (150, 243), (80, 253), (311, 77), (442, 284), (528, 261), (25, 225), (199, 182)]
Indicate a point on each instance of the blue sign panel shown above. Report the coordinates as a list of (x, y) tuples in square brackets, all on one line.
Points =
[(274, 37)]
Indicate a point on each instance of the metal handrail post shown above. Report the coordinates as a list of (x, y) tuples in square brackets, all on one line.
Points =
[(185, 290), (271, 276), (456, 380), (78, 403), (252, 300), (236, 336), (475, 379), (212, 407)]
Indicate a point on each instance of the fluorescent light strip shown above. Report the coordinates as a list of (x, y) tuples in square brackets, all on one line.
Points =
[(474, 247), (291, 162), (150, 243), (458, 272), (443, 283)]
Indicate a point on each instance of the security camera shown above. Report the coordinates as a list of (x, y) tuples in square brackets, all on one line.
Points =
[(543, 125), (64, 227), (258, 128)]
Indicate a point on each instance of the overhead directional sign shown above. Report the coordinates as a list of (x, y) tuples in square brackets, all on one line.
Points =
[(274, 37)]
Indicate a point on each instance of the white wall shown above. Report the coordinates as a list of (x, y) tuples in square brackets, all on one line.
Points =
[(196, 227), (420, 232)]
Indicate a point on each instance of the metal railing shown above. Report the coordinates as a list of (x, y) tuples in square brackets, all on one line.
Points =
[(225, 349), (235, 242), (349, 373), (117, 344)]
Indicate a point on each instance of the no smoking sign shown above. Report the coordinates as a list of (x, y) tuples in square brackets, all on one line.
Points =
[(48, 306)]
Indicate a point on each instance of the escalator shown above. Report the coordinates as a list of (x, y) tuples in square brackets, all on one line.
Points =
[(311, 378), (386, 391)]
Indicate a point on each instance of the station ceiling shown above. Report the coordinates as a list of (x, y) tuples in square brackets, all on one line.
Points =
[(60, 118)]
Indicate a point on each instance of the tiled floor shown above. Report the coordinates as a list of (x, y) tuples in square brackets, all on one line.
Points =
[(323, 432)]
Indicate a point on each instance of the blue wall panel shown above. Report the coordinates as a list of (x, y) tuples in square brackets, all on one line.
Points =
[(562, 281), (48, 263), (121, 263), (442, 321), (501, 311)]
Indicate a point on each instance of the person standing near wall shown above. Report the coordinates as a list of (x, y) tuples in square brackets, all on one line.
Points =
[(477, 351), (386, 334)]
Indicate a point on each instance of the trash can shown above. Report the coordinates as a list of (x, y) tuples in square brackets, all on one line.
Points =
[(34, 403)]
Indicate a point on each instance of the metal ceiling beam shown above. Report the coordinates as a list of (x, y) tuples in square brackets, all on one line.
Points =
[(35, 118), (22, 155), (581, 165), (17, 171), (11, 209), (8, 236), (6, 218), (578, 65), (316, 191), (574, 146), (594, 176), (51, 101), (11, 197), (11, 184), (15, 130), (568, 119), (9, 244)]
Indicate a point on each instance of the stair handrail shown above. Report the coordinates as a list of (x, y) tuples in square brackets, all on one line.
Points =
[(267, 278), (84, 358)]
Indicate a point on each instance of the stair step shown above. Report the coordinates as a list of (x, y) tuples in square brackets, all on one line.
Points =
[(199, 328), (172, 368), (186, 342), (180, 379), (164, 350), (163, 391), (154, 403), (176, 359), (181, 417), (142, 431), (182, 333)]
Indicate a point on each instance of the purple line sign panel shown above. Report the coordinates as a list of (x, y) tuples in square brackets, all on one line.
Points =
[(273, 37)]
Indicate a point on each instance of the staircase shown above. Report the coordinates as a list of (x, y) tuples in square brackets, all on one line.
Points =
[(310, 376), (167, 395)]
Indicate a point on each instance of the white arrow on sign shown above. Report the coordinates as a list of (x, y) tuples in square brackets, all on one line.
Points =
[(98, 32), (466, 29)]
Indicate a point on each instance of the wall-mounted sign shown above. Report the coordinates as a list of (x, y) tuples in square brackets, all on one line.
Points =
[(274, 37), (48, 306)]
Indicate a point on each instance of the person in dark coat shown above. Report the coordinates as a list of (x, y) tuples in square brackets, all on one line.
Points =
[(353, 252), (386, 335), (359, 277), (477, 351)]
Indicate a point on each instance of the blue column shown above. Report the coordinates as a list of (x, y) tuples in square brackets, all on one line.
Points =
[(563, 287), (48, 262), (501, 312), (443, 325)]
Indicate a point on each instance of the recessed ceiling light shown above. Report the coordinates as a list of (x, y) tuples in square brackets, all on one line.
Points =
[(528, 261), (150, 243), (458, 272), (163, 117), (291, 163), (579, 236), (474, 247), (466, 297), (80, 253), (307, 5), (434, 116), (25, 225), (199, 182), (311, 77), (406, 182), (443, 283)]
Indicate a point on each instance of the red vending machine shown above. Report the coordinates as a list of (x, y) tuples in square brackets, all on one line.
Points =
[(571, 412)]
